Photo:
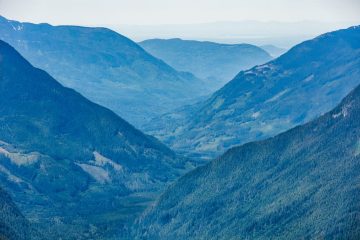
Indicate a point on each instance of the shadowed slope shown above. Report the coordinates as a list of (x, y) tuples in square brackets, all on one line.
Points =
[(13, 225), (105, 67), (301, 184), (71, 165)]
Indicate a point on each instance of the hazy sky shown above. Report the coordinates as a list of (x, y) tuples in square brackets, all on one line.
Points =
[(115, 12), (279, 22)]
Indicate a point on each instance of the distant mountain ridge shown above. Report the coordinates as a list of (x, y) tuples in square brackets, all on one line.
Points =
[(215, 62), (273, 50), (301, 184), (303, 83), (284, 34), (73, 167), (105, 67)]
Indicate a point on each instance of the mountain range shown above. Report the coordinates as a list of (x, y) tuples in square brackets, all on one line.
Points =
[(307, 81), (74, 168), (281, 34), (105, 67), (217, 63), (301, 184)]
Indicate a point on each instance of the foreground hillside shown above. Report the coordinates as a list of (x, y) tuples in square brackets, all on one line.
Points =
[(13, 225), (72, 166), (302, 184), (105, 67), (306, 82), (215, 62)]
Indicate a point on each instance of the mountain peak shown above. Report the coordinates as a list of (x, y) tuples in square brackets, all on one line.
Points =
[(106, 67)]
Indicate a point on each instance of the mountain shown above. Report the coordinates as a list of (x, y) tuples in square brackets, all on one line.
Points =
[(307, 81), (73, 167), (218, 63), (286, 34), (105, 67), (13, 225), (273, 50), (301, 184)]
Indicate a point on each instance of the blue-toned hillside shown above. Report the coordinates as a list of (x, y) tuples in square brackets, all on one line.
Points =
[(302, 84), (216, 63), (73, 167), (105, 67), (13, 225), (301, 184)]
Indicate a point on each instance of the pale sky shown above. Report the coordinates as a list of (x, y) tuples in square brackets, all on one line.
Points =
[(117, 12), (279, 22)]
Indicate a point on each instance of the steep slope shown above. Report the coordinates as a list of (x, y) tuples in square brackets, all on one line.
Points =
[(13, 225), (218, 63), (302, 184), (105, 67), (72, 165), (307, 81)]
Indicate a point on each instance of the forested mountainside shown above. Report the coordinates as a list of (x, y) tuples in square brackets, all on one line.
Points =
[(105, 67), (73, 167), (301, 184), (302, 84)]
